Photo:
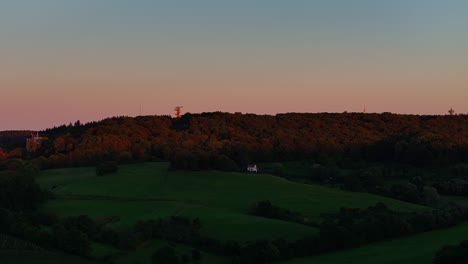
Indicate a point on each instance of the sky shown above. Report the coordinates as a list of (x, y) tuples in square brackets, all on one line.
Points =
[(68, 60)]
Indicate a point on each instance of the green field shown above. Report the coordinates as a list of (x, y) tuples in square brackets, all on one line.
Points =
[(220, 199), (417, 249)]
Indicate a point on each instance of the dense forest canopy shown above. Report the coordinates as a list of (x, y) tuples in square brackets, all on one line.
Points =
[(223, 140)]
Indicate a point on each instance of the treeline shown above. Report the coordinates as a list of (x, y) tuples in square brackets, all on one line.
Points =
[(413, 190), (350, 227), (18, 189), (268, 210), (72, 234), (425, 188), (234, 140)]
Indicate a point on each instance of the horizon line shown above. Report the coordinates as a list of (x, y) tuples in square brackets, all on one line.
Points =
[(226, 112)]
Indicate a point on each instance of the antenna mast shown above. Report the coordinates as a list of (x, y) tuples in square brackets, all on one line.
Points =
[(178, 111), (451, 111)]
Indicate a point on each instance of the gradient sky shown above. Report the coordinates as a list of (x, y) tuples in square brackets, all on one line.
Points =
[(68, 60)]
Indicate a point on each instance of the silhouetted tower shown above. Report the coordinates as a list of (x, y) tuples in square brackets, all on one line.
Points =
[(178, 111), (451, 111), (364, 111)]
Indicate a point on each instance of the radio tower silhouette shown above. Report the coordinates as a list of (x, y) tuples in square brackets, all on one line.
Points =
[(451, 111), (178, 110)]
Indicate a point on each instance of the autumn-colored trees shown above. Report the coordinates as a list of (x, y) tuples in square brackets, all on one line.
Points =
[(3, 154), (416, 140)]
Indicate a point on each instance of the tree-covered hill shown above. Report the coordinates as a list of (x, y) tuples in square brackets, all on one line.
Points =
[(226, 141)]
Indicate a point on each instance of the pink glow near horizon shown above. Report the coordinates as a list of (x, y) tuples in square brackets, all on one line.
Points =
[(60, 64)]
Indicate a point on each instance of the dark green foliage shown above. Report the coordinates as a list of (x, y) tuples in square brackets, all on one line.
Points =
[(127, 240), (99, 233), (72, 234), (176, 228), (278, 169), (26, 227), (83, 223), (260, 252), (452, 254), (106, 168), (350, 227), (418, 181), (327, 175), (459, 170), (430, 195), (266, 209), (201, 160), (196, 255), (72, 240), (165, 255), (407, 192), (12, 243), (370, 179), (185, 258), (356, 226), (231, 248), (414, 190), (19, 191), (454, 186), (224, 163)]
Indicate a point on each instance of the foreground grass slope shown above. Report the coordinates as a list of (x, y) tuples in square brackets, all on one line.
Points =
[(220, 199), (143, 254), (40, 257), (419, 248)]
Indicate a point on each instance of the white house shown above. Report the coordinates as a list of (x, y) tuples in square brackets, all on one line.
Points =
[(252, 168), (35, 142)]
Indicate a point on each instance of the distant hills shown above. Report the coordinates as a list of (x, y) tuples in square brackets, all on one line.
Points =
[(13, 138)]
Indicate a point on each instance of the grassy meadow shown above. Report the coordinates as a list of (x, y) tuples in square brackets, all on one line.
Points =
[(220, 199)]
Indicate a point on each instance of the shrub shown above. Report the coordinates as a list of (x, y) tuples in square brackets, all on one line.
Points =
[(19, 192), (452, 254)]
